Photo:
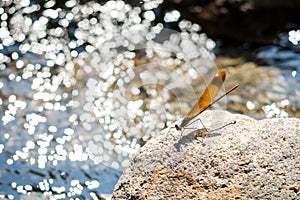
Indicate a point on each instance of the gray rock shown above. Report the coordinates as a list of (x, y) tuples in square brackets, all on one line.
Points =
[(247, 160)]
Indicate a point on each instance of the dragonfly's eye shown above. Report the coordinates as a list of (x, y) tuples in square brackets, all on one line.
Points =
[(177, 127)]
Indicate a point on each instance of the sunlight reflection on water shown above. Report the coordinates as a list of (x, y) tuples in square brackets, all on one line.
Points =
[(73, 101)]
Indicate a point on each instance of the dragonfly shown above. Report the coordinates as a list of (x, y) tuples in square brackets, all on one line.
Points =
[(206, 100)]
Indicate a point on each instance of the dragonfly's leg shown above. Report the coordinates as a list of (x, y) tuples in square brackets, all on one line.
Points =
[(200, 122), (203, 124)]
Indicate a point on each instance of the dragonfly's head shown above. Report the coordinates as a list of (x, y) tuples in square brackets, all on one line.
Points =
[(177, 127)]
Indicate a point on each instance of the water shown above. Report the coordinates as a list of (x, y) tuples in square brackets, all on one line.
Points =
[(83, 87), (72, 99)]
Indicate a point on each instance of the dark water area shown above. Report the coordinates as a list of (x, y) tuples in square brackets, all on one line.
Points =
[(84, 85)]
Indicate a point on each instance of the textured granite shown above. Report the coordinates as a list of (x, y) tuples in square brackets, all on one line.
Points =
[(251, 159)]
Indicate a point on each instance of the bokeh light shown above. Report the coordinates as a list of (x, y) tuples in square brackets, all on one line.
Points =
[(79, 95)]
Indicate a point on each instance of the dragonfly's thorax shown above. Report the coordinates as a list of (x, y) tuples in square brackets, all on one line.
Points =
[(184, 122)]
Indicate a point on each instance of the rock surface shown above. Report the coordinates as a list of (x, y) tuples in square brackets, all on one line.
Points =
[(247, 160)]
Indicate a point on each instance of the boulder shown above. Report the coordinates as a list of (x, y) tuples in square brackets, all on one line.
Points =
[(234, 157)]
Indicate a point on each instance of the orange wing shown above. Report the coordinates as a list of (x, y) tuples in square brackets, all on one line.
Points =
[(207, 97)]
